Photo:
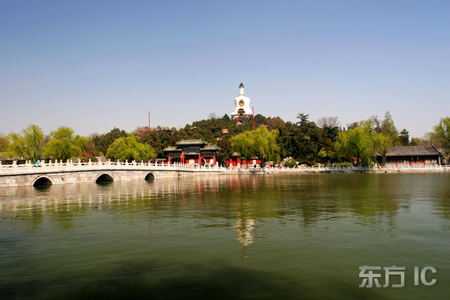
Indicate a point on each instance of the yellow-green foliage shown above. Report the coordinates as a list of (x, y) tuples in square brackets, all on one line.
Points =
[(129, 148), (260, 142)]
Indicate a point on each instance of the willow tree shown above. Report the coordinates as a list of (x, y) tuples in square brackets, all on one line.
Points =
[(243, 143), (62, 145), (4, 144), (16, 148), (260, 142), (129, 148), (356, 143), (34, 138), (441, 134), (265, 144), (382, 144), (28, 144)]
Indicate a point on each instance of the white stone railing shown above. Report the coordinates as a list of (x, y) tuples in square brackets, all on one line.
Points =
[(70, 166), (417, 167), (356, 169), (320, 169)]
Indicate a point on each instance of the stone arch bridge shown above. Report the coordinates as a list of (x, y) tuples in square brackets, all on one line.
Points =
[(59, 173)]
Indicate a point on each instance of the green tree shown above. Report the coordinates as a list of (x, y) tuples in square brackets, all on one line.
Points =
[(303, 119), (260, 120), (356, 143), (129, 148), (260, 142), (86, 145), (62, 145), (265, 144), (63, 132), (61, 150), (28, 145), (17, 146), (322, 154), (103, 141), (365, 140), (382, 144), (330, 132), (226, 149), (441, 134), (34, 140), (158, 139), (4, 144), (243, 143), (404, 138), (387, 128), (302, 140)]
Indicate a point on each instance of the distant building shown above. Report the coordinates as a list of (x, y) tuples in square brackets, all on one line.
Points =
[(412, 156), (237, 159), (190, 151), (241, 104)]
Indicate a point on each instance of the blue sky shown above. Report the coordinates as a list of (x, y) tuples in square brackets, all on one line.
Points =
[(96, 65)]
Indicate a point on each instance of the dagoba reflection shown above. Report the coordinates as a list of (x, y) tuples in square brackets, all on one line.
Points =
[(244, 228)]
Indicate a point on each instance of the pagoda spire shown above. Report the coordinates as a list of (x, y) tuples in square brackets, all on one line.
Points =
[(241, 89)]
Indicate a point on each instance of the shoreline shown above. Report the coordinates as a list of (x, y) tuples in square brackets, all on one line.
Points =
[(390, 170), (73, 173)]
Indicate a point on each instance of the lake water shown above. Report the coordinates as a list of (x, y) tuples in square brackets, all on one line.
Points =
[(228, 237)]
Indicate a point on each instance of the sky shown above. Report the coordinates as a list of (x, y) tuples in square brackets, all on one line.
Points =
[(96, 65)]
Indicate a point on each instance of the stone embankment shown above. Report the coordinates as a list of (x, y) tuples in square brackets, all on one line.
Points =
[(71, 172), (312, 170)]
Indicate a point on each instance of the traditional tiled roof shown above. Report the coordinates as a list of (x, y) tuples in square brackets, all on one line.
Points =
[(191, 142), (413, 151), (199, 143), (171, 148), (211, 147)]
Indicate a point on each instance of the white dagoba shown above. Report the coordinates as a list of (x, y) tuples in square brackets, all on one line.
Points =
[(241, 104)]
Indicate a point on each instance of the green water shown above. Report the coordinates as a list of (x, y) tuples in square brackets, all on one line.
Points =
[(226, 237)]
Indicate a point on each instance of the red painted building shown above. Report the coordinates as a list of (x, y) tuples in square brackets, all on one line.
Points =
[(412, 156), (236, 159), (192, 152)]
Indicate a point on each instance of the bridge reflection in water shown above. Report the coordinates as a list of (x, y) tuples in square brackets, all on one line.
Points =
[(193, 193), (242, 199)]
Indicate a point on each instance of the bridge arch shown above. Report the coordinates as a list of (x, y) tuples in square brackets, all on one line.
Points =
[(104, 177), (42, 180), (149, 177)]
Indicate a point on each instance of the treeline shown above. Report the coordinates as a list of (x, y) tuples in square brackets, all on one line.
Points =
[(303, 141)]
